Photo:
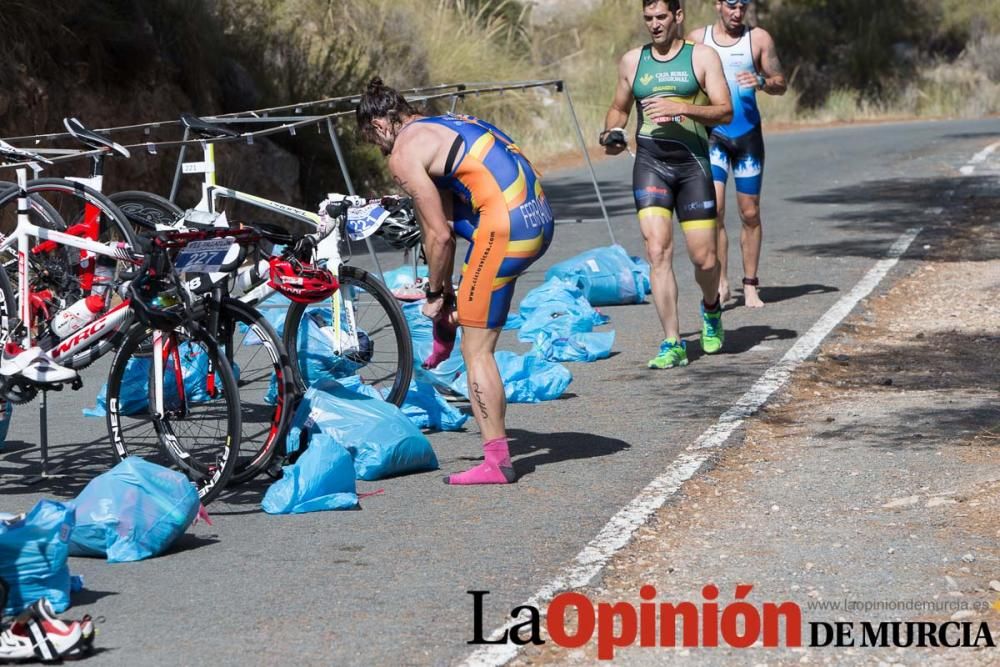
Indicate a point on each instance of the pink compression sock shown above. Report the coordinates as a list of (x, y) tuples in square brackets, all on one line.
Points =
[(444, 340), (496, 469)]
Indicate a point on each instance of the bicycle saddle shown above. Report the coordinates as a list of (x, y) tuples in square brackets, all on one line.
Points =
[(15, 154), (91, 138), (205, 128)]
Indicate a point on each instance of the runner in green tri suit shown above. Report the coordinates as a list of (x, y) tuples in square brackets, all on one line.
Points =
[(681, 87)]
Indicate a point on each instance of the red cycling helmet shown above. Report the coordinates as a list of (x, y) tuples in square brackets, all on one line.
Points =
[(302, 283)]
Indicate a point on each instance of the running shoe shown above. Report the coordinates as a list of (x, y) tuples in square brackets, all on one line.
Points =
[(672, 353), (37, 633), (712, 334), (33, 364)]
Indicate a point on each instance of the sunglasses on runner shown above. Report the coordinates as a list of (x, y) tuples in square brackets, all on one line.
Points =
[(732, 3)]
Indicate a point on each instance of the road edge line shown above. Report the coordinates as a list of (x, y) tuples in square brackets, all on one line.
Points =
[(618, 531)]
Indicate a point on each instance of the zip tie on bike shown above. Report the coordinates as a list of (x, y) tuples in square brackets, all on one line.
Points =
[(151, 147)]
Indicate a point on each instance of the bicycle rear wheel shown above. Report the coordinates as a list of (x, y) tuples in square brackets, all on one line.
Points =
[(200, 421), (384, 354), (266, 381), (146, 210)]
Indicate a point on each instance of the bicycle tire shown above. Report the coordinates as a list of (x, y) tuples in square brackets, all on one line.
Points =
[(146, 210), (208, 460), (385, 328), (42, 214), (268, 393), (114, 227)]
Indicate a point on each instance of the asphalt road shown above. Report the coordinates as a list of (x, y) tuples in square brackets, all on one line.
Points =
[(387, 585)]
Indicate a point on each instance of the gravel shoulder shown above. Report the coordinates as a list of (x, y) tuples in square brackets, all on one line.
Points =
[(869, 490)]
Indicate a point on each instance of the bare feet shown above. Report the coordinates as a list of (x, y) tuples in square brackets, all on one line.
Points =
[(751, 297), (724, 293)]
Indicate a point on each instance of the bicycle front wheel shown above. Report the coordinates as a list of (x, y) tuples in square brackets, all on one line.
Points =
[(267, 387), (195, 424), (382, 356)]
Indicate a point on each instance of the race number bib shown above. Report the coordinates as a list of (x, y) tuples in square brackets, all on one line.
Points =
[(203, 256), (362, 221)]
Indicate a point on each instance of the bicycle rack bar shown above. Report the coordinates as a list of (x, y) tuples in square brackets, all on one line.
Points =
[(586, 155), (43, 442), (455, 98), (350, 189), (180, 166)]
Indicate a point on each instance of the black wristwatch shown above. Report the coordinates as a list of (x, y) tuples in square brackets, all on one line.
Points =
[(433, 294)]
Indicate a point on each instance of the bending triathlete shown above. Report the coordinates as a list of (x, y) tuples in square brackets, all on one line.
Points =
[(462, 169)]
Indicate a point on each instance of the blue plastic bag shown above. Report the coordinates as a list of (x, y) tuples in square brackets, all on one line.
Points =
[(379, 437), (322, 478), (607, 276), (317, 360), (135, 383), (422, 405), (33, 553), (527, 378), (6, 411), (642, 267), (574, 347), (403, 276), (426, 408), (134, 511), (422, 335), (558, 319), (557, 306)]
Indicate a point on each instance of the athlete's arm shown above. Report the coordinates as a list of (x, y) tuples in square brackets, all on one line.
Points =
[(708, 69), (770, 66), (408, 165), (621, 105)]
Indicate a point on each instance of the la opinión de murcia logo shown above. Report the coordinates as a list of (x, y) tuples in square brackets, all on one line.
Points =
[(738, 623)]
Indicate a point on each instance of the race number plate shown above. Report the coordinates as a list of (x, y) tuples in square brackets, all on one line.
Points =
[(203, 256), (362, 221)]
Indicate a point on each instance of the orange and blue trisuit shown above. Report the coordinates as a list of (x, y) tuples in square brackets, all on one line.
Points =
[(499, 207)]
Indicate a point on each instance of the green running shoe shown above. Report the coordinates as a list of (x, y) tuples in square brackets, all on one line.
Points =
[(712, 335), (671, 354)]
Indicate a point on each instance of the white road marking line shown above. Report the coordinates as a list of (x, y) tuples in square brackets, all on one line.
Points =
[(618, 531), (978, 158)]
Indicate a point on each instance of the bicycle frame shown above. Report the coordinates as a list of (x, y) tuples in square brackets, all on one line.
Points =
[(25, 231), (328, 249)]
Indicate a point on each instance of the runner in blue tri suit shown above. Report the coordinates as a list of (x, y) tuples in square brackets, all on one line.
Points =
[(751, 63)]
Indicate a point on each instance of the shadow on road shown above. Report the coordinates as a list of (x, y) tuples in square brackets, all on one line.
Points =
[(746, 338), (778, 293), (545, 448), (76, 464), (575, 200), (943, 206), (973, 135), (89, 595)]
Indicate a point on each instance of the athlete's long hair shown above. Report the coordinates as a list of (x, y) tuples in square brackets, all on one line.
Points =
[(380, 101)]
